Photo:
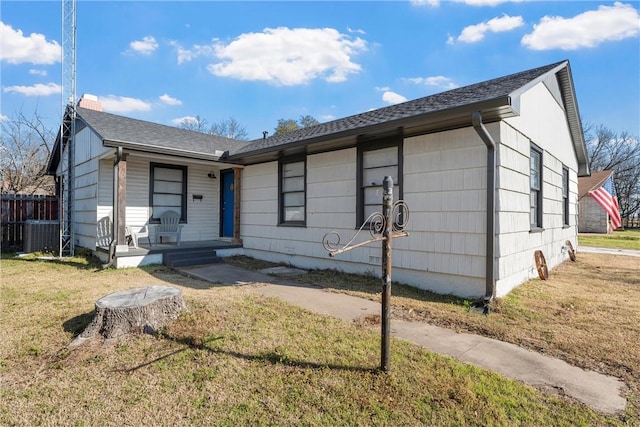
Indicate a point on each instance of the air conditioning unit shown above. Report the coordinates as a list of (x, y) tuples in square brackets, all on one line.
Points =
[(41, 236)]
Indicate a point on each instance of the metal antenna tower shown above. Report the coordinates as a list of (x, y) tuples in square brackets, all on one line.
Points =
[(68, 129)]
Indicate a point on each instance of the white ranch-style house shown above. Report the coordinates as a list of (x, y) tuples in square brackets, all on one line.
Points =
[(489, 172)]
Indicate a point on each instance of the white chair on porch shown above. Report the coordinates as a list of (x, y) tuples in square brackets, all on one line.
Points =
[(137, 232), (169, 227)]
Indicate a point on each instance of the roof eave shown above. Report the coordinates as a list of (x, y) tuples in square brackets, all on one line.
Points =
[(160, 150), (54, 156), (573, 119), (492, 110)]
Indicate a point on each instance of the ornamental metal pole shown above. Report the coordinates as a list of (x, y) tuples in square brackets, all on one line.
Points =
[(383, 227), (387, 208)]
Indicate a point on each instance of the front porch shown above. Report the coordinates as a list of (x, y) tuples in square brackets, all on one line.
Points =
[(188, 253)]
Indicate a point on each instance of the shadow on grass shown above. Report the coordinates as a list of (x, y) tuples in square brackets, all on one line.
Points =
[(81, 261), (191, 343), (347, 282), (368, 284), (77, 324)]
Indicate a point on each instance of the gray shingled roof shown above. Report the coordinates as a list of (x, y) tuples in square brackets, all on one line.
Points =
[(473, 94), (496, 99), (138, 134)]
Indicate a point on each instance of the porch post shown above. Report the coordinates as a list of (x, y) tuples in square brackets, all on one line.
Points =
[(237, 189), (120, 208)]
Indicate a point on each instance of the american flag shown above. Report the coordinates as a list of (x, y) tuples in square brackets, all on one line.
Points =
[(606, 197)]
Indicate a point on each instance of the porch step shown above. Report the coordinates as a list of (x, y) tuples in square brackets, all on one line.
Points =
[(189, 257)]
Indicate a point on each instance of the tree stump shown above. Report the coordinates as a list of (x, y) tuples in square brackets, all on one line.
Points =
[(133, 311)]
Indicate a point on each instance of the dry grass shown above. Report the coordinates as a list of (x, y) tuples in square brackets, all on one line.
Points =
[(235, 358), (587, 313)]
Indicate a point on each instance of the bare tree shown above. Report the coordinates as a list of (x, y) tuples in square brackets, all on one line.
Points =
[(195, 124), (230, 128), (620, 153), (25, 146)]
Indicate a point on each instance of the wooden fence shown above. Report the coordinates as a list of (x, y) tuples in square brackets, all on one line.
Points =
[(631, 222), (18, 210)]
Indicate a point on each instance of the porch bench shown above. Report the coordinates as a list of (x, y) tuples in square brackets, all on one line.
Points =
[(169, 227)]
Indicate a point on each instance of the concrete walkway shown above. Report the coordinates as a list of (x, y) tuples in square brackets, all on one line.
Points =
[(608, 251), (601, 392)]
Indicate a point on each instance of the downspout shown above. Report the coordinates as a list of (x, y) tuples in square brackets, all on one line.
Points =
[(490, 281)]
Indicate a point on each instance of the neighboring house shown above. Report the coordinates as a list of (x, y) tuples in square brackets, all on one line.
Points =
[(489, 172), (592, 217)]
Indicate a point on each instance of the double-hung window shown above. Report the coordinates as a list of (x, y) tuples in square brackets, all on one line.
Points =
[(565, 196), (374, 164), (535, 171), (168, 190), (293, 195)]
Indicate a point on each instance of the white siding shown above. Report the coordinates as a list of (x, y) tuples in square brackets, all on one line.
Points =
[(330, 205), (444, 184), (87, 145), (543, 120), (543, 123), (202, 215), (444, 177)]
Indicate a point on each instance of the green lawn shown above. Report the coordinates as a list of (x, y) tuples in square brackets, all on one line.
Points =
[(627, 239), (235, 358)]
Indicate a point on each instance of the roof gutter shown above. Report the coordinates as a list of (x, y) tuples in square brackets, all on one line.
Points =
[(490, 281), (450, 118), (217, 156)]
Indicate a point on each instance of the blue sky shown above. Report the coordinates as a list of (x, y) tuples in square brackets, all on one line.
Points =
[(262, 61)]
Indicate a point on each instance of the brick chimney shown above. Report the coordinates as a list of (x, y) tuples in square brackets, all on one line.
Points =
[(90, 102)]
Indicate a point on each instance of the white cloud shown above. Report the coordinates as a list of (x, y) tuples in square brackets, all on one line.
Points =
[(35, 72), (589, 29), (432, 3), (435, 81), (393, 98), (486, 2), (186, 55), (16, 48), (356, 31), (475, 33), (123, 104), (146, 46), (327, 117), (436, 3), (3, 118), (169, 100), (185, 120), (288, 57), (38, 89)]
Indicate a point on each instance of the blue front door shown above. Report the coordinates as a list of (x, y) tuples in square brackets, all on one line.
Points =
[(226, 203)]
